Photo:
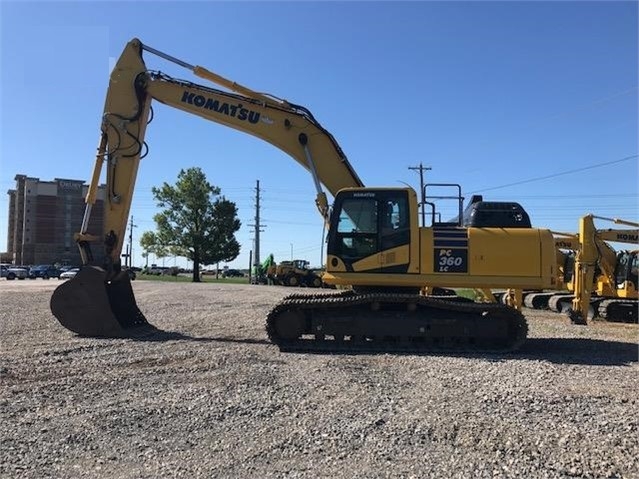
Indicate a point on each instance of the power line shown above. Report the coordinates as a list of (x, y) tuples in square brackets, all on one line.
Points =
[(575, 196), (555, 175)]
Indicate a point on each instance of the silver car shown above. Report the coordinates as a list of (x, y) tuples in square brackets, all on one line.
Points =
[(12, 272)]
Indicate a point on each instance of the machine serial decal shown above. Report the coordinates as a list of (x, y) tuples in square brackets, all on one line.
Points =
[(450, 250), (234, 111)]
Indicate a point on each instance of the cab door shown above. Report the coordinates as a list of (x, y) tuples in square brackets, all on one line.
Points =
[(394, 232)]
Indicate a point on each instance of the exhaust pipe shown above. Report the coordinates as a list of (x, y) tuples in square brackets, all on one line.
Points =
[(92, 305)]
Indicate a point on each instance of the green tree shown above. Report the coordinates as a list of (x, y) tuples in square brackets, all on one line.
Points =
[(150, 244), (196, 222)]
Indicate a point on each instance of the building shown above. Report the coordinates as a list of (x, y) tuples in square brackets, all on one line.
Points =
[(44, 216)]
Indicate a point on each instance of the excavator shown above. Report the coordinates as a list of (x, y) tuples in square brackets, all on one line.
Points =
[(613, 292), (605, 281), (376, 248)]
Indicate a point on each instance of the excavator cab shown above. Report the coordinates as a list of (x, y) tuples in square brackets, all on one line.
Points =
[(371, 231), (633, 274), (568, 267), (627, 268)]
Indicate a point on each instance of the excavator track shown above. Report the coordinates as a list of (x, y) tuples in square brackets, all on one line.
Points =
[(619, 310), (538, 300), (387, 322), (560, 303)]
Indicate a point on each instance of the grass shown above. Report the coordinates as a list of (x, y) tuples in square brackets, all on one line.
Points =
[(466, 293)]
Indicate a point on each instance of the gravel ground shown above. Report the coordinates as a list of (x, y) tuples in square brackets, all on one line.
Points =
[(221, 401)]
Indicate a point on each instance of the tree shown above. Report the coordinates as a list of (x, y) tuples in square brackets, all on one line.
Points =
[(196, 221), (150, 245)]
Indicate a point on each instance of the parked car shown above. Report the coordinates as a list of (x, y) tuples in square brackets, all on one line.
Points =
[(12, 272), (68, 274), (157, 270), (44, 271), (232, 273)]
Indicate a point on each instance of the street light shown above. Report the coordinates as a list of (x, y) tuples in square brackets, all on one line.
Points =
[(291, 251)]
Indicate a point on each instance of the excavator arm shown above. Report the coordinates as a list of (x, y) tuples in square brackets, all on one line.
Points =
[(127, 112)]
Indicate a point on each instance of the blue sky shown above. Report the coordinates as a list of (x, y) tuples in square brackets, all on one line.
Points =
[(503, 98)]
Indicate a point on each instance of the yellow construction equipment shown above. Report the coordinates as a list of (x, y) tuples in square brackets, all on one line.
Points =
[(375, 244), (295, 273), (613, 292), (287, 273), (605, 280)]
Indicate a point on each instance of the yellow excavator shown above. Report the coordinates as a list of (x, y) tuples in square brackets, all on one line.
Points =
[(613, 292), (375, 244), (605, 281)]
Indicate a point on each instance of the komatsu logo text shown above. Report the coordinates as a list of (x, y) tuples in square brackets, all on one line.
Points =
[(628, 237), (228, 109)]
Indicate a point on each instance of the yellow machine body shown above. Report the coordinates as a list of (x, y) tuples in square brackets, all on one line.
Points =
[(451, 256)]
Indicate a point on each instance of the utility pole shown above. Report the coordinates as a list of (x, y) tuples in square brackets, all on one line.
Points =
[(129, 257), (421, 169), (258, 228)]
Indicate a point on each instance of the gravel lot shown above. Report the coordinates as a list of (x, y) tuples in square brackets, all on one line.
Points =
[(221, 401)]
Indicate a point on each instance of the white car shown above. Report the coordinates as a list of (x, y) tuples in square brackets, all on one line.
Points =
[(13, 272), (69, 273)]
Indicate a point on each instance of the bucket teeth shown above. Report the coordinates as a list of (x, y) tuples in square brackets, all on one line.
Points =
[(90, 305)]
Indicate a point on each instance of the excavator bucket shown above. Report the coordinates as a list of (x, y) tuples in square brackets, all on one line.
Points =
[(89, 305)]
